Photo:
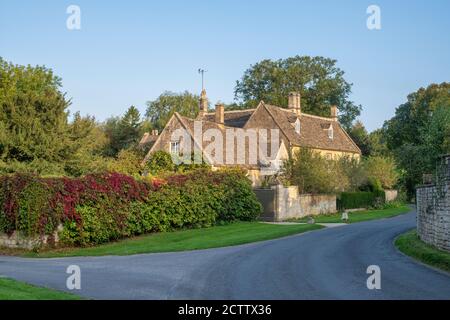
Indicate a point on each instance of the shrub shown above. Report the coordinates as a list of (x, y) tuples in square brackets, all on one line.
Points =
[(36, 206), (127, 162), (353, 200), (240, 200), (159, 162), (354, 171), (102, 207), (381, 169), (313, 173)]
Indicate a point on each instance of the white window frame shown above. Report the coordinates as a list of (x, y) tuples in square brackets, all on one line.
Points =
[(175, 147)]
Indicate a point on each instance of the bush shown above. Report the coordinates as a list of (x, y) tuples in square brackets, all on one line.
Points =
[(381, 169), (102, 207), (160, 162), (127, 162), (240, 202), (353, 200), (313, 173)]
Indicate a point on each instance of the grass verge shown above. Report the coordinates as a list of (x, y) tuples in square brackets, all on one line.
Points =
[(15, 290), (359, 216), (410, 244), (217, 236)]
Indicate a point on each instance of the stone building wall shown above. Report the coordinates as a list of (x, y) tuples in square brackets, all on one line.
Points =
[(433, 209)]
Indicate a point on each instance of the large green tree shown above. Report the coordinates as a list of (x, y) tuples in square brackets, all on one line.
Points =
[(320, 82), (415, 114), (35, 132), (33, 115), (420, 132), (160, 110)]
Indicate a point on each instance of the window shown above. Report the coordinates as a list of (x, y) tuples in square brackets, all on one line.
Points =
[(175, 147), (329, 156), (330, 132)]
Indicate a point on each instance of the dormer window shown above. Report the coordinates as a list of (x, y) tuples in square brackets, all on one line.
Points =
[(297, 126), (329, 128), (330, 132)]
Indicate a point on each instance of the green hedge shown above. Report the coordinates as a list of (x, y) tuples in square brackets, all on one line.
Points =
[(103, 207), (353, 200)]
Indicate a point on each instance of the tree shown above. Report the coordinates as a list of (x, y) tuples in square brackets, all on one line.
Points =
[(313, 173), (354, 172), (413, 163), (414, 115), (87, 140), (381, 169), (160, 110), (436, 134), (123, 132), (318, 80), (377, 142), (129, 127), (360, 136), (419, 133), (33, 117)]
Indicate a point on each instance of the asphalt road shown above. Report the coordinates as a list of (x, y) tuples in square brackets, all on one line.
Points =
[(324, 264)]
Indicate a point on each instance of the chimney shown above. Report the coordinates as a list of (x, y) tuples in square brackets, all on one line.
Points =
[(220, 113), (203, 103), (144, 138), (295, 102), (334, 113)]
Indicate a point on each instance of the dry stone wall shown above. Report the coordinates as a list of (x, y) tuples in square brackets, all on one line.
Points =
[(433, 208)]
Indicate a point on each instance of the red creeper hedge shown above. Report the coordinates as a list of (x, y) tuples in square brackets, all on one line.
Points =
[(98, 208)]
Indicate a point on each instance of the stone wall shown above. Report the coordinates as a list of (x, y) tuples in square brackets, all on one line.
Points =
[(288, 204), (433, 209), (390, 195), (17, 240)]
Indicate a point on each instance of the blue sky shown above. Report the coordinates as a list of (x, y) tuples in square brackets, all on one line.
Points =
[(128, 52)]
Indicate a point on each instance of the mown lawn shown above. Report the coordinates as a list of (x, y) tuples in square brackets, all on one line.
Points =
[(359, 216), (410, 244), (217, 236), (15, 290)]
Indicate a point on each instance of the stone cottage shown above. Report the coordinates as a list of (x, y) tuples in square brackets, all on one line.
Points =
[(241, 135)]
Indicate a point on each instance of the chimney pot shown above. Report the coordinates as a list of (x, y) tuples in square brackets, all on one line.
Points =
[(334, 112), (295, 102), (220, 109), (203, 103)]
